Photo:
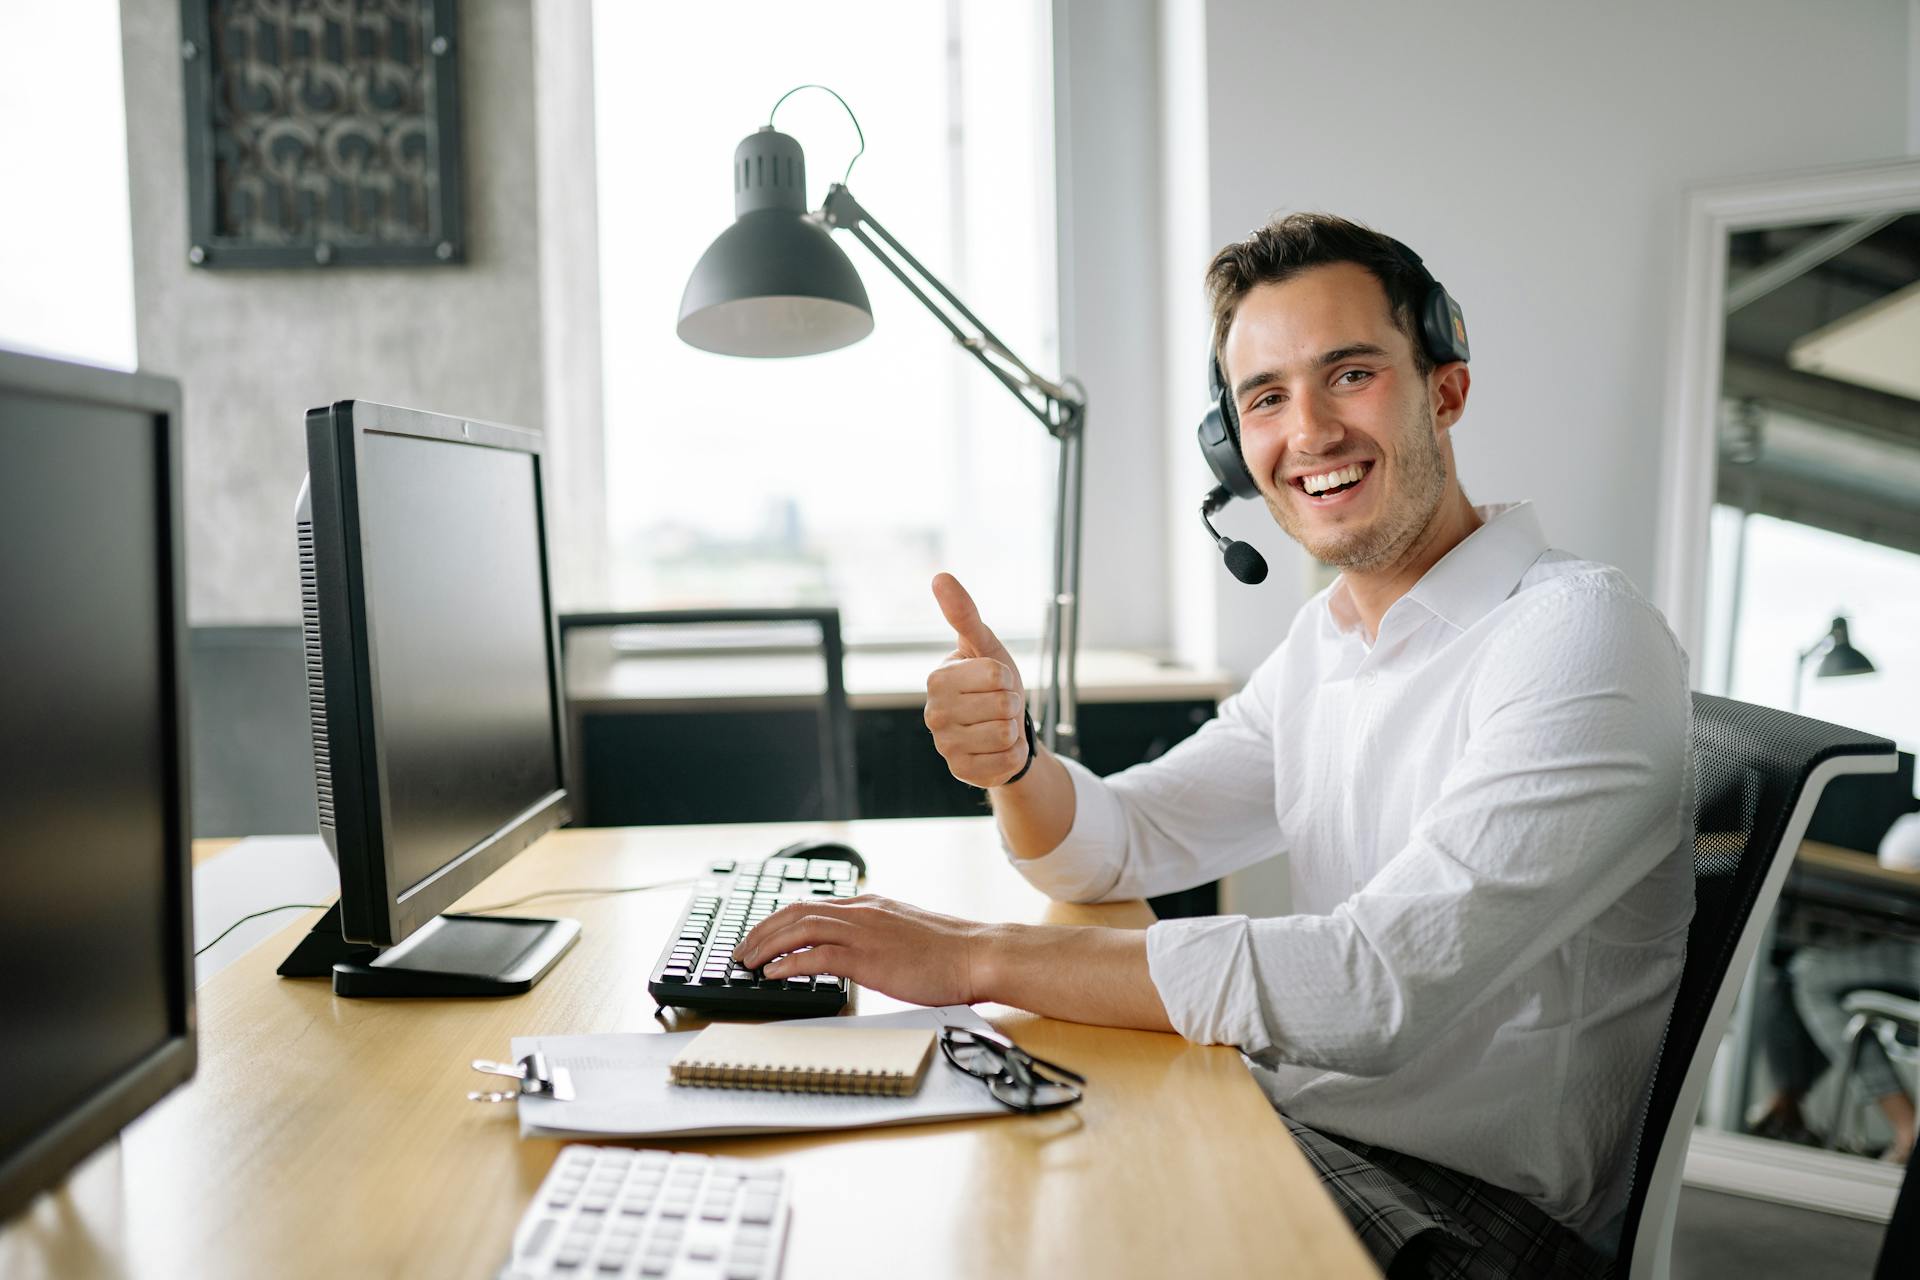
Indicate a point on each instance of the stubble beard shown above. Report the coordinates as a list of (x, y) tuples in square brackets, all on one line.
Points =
[(1423, 474)]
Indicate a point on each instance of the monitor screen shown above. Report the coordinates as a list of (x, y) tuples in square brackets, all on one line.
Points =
[(92, 913), (432, 671), (457, 637)]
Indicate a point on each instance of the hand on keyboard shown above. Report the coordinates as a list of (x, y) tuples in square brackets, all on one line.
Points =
[(907, 952), (696, 968)]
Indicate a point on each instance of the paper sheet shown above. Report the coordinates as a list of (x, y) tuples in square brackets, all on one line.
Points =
[(622, 1090)]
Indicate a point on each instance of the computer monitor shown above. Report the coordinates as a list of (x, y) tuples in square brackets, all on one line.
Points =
[(434, 693), (96, 929)]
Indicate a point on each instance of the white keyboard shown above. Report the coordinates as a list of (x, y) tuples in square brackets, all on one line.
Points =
[(613, 1211)]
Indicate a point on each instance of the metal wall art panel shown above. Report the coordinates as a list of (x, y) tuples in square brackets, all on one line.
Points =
[(322, 132)]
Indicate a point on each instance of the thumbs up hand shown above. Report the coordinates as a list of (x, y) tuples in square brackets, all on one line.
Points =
[(976, 706)]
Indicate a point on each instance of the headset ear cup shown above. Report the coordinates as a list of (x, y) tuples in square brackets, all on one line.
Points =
[(1220, 437), (1220, 445), (1443, 326)]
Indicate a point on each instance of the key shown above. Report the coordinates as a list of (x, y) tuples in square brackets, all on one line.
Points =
[(537, 1239)]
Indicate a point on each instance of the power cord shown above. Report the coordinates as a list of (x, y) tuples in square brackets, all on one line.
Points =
[(857, 130), (470, 911), (291, 906)]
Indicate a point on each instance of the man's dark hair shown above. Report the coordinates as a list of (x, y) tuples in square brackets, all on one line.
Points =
[(1287, 246)]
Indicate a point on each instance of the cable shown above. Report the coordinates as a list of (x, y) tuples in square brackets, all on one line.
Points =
[(291, 906), (858, 132), (470, 911), (579, 893)]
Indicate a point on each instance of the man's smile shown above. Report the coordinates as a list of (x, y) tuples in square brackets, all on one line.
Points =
[(1332, 487)]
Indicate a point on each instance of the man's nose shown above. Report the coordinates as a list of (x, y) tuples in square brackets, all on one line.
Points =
[(1315, 427)]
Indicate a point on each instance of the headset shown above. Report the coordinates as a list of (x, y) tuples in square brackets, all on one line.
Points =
[(1443, 334)]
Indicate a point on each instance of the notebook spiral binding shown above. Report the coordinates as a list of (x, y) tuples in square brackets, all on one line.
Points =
[(716, 1075)]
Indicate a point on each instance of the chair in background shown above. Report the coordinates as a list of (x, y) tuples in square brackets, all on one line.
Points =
[(641, 756), (252, 746), (1891, 1019), (1759, 776)]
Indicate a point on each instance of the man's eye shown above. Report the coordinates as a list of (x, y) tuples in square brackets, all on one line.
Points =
[(1272, 397), (1362, 374)]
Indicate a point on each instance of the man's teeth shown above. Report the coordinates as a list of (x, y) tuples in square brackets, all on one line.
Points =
[(1333, 479)]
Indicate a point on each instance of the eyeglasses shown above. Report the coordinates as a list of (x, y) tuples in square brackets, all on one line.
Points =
[(1013, 1076)]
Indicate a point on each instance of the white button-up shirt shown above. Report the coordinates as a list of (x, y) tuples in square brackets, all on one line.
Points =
[(1487, 820)]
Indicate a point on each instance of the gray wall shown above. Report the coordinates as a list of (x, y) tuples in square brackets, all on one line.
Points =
[(255, 349)]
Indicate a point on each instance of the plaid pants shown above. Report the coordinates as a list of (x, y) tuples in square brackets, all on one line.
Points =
[(1419, 1219)]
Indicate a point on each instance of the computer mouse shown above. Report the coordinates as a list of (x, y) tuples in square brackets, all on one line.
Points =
[(825, 849)]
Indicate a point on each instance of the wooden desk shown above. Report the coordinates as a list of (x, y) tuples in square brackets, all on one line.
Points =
[(599, 679), (1850, 887), (330, 1137), (1854, 863)]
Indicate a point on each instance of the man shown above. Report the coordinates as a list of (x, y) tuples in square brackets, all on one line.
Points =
[(1473, 751)]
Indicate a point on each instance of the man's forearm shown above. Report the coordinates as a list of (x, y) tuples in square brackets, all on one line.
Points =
[(1081, 974), (1036, 813)]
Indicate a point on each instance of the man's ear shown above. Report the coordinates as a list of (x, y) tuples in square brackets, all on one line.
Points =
[(1447, 393)]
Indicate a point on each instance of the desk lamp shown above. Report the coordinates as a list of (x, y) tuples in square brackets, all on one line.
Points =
[(1837, 656), (775, 284)]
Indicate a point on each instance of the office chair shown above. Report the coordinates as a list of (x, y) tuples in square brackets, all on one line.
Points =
[(1759, 775), (1893, 1020), (692, 764)]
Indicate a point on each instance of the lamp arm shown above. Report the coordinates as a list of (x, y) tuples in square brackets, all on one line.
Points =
[(1059, 408), (1056, 406)]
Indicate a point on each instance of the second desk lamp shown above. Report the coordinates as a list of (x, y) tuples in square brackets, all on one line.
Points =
[(1837, 657), (775, 284)]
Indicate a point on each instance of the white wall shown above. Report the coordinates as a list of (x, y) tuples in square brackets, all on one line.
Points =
[(1536, 155), (1106, 103)]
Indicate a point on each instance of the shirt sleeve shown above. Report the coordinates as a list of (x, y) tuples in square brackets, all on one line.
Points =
[(1573, 787), (1203, 809)]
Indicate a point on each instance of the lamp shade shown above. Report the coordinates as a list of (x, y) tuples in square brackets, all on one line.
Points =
[(1842, 659), (774, 283)]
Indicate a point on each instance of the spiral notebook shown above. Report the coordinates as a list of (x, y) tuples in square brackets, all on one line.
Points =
[(889, 1062)]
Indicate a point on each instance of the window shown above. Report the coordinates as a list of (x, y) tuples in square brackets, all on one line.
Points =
[(1793, 581), (66, 244), (851, 477)]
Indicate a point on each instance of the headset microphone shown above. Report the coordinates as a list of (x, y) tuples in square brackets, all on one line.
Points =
[(1243, 562)]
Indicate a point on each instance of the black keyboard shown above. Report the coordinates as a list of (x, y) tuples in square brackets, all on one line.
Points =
[(696, 969)]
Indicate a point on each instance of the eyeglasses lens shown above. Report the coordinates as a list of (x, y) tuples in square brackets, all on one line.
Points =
[(1012, 1077)]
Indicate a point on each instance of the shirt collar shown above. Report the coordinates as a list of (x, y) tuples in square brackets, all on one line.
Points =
[(1467, 582), (1484, 569)]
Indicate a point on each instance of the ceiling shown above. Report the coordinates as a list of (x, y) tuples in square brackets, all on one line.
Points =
[(1821, 390)]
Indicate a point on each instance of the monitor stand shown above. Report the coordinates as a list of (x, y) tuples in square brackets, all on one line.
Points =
[(451, 955)]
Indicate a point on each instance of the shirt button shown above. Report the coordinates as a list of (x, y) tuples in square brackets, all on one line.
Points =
[(1366, 680)]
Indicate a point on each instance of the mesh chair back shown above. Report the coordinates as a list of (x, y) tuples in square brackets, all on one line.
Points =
[(1758, 774)]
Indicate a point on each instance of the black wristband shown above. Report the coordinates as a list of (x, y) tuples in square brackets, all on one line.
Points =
[(1032, 751)]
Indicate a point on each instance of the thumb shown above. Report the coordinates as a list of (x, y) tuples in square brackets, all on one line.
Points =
[(976, 639)]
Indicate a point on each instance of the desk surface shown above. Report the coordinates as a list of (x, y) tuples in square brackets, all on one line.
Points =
[(875, 678), (324, 1136), (1852, 862)]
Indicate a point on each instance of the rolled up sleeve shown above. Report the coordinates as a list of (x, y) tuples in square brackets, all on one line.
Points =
[(1084, 867), (1203, 809)]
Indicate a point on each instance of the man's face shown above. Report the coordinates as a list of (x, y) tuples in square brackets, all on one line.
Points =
[(1336, 423)]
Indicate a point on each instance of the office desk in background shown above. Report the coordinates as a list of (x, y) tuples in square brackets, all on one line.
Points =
[(328, 1137), (1849, 887), (631, 713)]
